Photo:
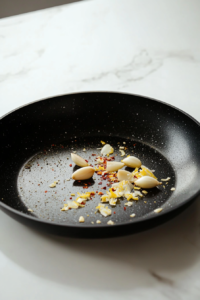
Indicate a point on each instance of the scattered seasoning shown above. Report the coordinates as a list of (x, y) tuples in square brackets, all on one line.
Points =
[(70, 165), (124, 208), (45, 191)]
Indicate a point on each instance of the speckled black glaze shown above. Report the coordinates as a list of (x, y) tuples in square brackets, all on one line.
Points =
[(164, 138)]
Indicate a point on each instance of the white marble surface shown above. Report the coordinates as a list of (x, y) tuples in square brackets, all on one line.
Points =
[(146, 47)]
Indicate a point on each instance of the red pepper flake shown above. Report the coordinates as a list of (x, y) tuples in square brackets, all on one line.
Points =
[(92, 193), (70, 165), (70, 198), (134, 145), (93, 154), (45, 191), (52, 145), (38, 164), (114, 212), (124, 208), (100, 193), (113, 190), (79, 180), (38, 184), (104, 188), (62, 146), (108, 184), (100, 183), (91, 165), (85, 187), (86, 160), (82, 203), (96, 191)]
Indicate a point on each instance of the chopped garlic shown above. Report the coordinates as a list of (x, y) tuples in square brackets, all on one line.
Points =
[(173, 189), (167, 179), (84, 149), (158, 210), (107, 149), (110, 222), (98, 222), (121, 148), (128, 203), (52, 185), (132, 216), (30, 210), (113, 202), (105, 211), (144, 192), (81, 220), (122, 152)]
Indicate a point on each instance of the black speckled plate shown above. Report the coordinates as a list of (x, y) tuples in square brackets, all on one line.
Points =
[(37, 140)]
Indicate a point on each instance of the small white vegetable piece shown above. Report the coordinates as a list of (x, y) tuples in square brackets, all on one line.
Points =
[(98, 222), (114, 166), (122, 152), (173, 189), (132, 216), (81, 219), (83, 173), (147, 182), (110, 222), (128, 203), (113, 201), (105, 211), (132, 162), (167, 179), (79, 161), (158, 210), (52, 185), (107, 149), (125, 175)]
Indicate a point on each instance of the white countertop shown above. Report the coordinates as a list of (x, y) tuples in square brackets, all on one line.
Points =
[(145, 47)]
